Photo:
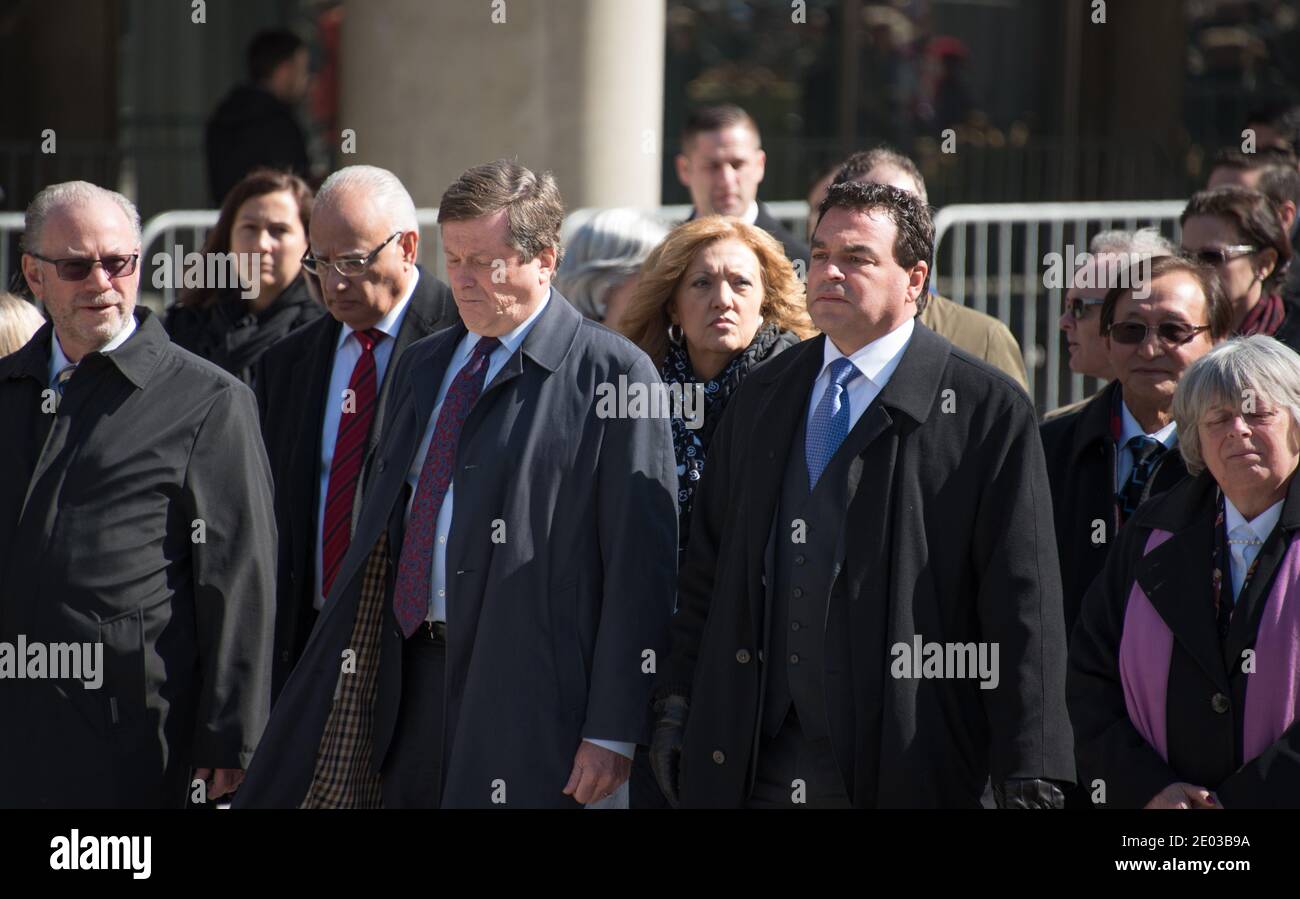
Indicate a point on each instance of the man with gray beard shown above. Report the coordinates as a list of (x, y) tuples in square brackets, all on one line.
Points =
[(135, 514)]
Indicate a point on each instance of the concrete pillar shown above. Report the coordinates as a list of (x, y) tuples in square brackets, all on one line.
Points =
[(573, 86)]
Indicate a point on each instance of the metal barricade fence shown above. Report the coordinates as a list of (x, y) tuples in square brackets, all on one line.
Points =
[(991, 257)]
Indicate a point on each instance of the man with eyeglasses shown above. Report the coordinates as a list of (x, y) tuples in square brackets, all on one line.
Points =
[(322, 388), (1120, 448), (137, 538), (1108, 252)]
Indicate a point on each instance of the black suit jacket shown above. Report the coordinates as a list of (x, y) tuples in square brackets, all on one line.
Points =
[(795, 248), (291, 381), (1081, 468)]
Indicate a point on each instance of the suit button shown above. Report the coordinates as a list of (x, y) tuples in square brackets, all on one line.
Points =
[(742, 656), (798, 592), (718, 756), (799, 560), (284, 656), (794, 625), (383, 463), (794, 658), (1219, 703)]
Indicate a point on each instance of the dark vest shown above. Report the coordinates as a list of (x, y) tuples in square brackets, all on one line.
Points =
[(801, 576)]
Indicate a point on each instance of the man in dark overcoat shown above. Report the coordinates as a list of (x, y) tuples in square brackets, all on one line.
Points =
[(516, 549), (137, 537), (869, 612)]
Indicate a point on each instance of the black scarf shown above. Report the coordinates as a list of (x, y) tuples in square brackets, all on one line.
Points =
[(691, 446)]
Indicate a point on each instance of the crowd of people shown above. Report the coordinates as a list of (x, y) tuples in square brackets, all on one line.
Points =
[(368, 539)]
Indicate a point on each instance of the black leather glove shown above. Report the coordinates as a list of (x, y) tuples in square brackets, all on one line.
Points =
[(666, 743), (1029, 793)]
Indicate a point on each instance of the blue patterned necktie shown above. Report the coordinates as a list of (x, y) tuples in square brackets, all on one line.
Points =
[(830, 421), (63, 377), (1146, 453)]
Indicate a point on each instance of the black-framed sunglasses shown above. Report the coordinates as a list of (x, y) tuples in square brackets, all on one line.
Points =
[(1176, 333), (1078, 307), (348, 267), (1224, 255), (78, 269)]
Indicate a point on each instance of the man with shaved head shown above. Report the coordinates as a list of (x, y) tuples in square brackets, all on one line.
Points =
[(137, 538)]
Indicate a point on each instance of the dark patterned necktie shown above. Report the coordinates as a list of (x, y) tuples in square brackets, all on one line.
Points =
[(1146, 455), (64, 376), (415, 568), (349, 453)]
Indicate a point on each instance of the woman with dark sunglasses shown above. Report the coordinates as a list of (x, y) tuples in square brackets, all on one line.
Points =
[(1238, 232), (1108, 457)]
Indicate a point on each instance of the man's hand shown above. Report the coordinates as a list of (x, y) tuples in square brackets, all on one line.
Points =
[(1181, 795), (224, 781), (666, 743), (597, 772)]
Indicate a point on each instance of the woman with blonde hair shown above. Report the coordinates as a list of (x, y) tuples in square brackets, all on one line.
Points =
[(19, 322), (716, 298)]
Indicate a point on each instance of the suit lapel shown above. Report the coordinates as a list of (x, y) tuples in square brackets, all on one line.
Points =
[(1251, 603), (783, 400), (312, 370), (1180, 591)]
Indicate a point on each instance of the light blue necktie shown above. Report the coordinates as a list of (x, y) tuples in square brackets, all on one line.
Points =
[(830, 421)]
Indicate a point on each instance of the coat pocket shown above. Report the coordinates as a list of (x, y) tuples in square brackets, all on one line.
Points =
[(566, 649), (123, 689)]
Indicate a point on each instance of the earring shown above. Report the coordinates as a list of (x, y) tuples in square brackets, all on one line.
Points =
[(675, 333)]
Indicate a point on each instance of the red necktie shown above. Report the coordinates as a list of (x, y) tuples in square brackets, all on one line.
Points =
[(415, 569), (349, 453)]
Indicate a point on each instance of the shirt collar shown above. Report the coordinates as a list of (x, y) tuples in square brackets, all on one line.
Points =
[(1129, 428), (391, 323), (59, 360), (878, 359), (1261, 526)]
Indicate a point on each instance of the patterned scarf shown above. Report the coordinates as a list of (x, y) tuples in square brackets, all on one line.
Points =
[(1265, 318), (690, 446)]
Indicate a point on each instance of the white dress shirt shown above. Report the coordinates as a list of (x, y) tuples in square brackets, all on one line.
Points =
[(877, 362), (510, 344), (1246, 538), (346, 354), (1129, 428), (59, 360)]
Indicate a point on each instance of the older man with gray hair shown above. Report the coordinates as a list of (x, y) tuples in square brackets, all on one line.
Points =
[(137, 538), (322, 388)]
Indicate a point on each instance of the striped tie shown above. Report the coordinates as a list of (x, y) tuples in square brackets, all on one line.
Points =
[(349, 453)]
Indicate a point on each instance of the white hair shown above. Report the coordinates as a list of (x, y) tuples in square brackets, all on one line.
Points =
[(70, 193), (1240, 370), (1145, 242), (603, 253), (383, 188)]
